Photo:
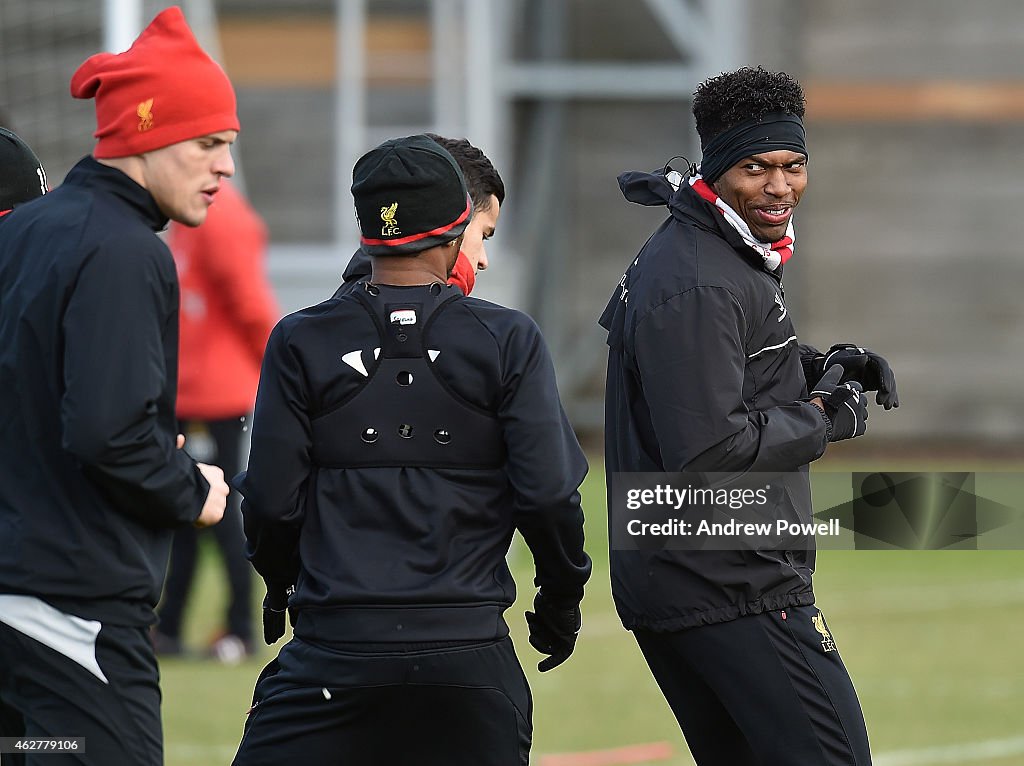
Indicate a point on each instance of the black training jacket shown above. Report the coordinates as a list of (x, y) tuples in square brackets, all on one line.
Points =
[(410, 548), (704, 375), (91, 485)]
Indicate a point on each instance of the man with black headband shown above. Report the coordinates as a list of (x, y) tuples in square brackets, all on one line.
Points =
[(705, 376)]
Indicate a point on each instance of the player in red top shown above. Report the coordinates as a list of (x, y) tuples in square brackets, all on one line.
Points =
[(227, 312)]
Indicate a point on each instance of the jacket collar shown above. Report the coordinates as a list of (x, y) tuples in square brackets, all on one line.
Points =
[(686, 206), (90, 174)]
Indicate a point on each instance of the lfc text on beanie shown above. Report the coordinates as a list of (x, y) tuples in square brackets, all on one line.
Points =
[(410, 196), (162, 90)]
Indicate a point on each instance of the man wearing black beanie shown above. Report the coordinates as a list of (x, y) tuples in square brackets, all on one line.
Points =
[(705, 376), (402, 433), (487, 191), (22, 177)]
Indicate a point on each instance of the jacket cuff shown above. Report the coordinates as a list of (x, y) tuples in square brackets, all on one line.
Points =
[(827, 420)]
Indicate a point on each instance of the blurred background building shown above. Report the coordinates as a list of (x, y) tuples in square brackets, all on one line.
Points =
[(908, 240)]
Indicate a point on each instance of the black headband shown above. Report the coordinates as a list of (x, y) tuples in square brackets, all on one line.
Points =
[(769, 133)]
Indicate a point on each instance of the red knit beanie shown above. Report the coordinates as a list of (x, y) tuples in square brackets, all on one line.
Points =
[(162, 90)]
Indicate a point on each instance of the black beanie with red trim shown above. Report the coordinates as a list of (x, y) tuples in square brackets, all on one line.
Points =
[(22, 177), (410, 195)]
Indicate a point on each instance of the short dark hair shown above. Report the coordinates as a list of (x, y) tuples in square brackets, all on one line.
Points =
[(482, 178), (726, 100)]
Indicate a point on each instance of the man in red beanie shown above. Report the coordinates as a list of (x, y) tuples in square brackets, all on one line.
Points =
[(92, 478)]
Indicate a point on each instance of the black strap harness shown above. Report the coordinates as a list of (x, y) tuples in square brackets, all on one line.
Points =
[(406, 415)]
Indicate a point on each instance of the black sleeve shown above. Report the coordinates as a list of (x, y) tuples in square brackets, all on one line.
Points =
[(545, 465), (811, 360), (691, 357), (114, 378), (273, 487)]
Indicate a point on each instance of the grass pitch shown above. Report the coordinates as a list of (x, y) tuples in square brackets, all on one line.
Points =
[(931, 639)]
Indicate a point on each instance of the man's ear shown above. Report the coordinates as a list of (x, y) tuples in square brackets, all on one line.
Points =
[(452, 256), (455, 246)]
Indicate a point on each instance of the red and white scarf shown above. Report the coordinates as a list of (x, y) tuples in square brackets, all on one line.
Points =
[(774, 254)]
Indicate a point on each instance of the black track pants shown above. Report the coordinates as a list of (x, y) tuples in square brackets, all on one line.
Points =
[(44, 693), (227, 438), (763, 690), (437, 707)]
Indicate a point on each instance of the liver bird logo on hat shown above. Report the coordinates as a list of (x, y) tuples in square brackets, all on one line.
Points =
[(145, 112), (387, 215)]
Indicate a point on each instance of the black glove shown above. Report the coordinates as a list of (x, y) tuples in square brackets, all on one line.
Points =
[(275, 607), (869, 369), (846, 409), (553, 626)]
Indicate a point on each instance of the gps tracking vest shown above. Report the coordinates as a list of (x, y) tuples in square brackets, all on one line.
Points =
[(406, 415)]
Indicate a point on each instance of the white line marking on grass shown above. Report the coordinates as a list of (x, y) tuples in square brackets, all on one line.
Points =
[(965, 753)]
